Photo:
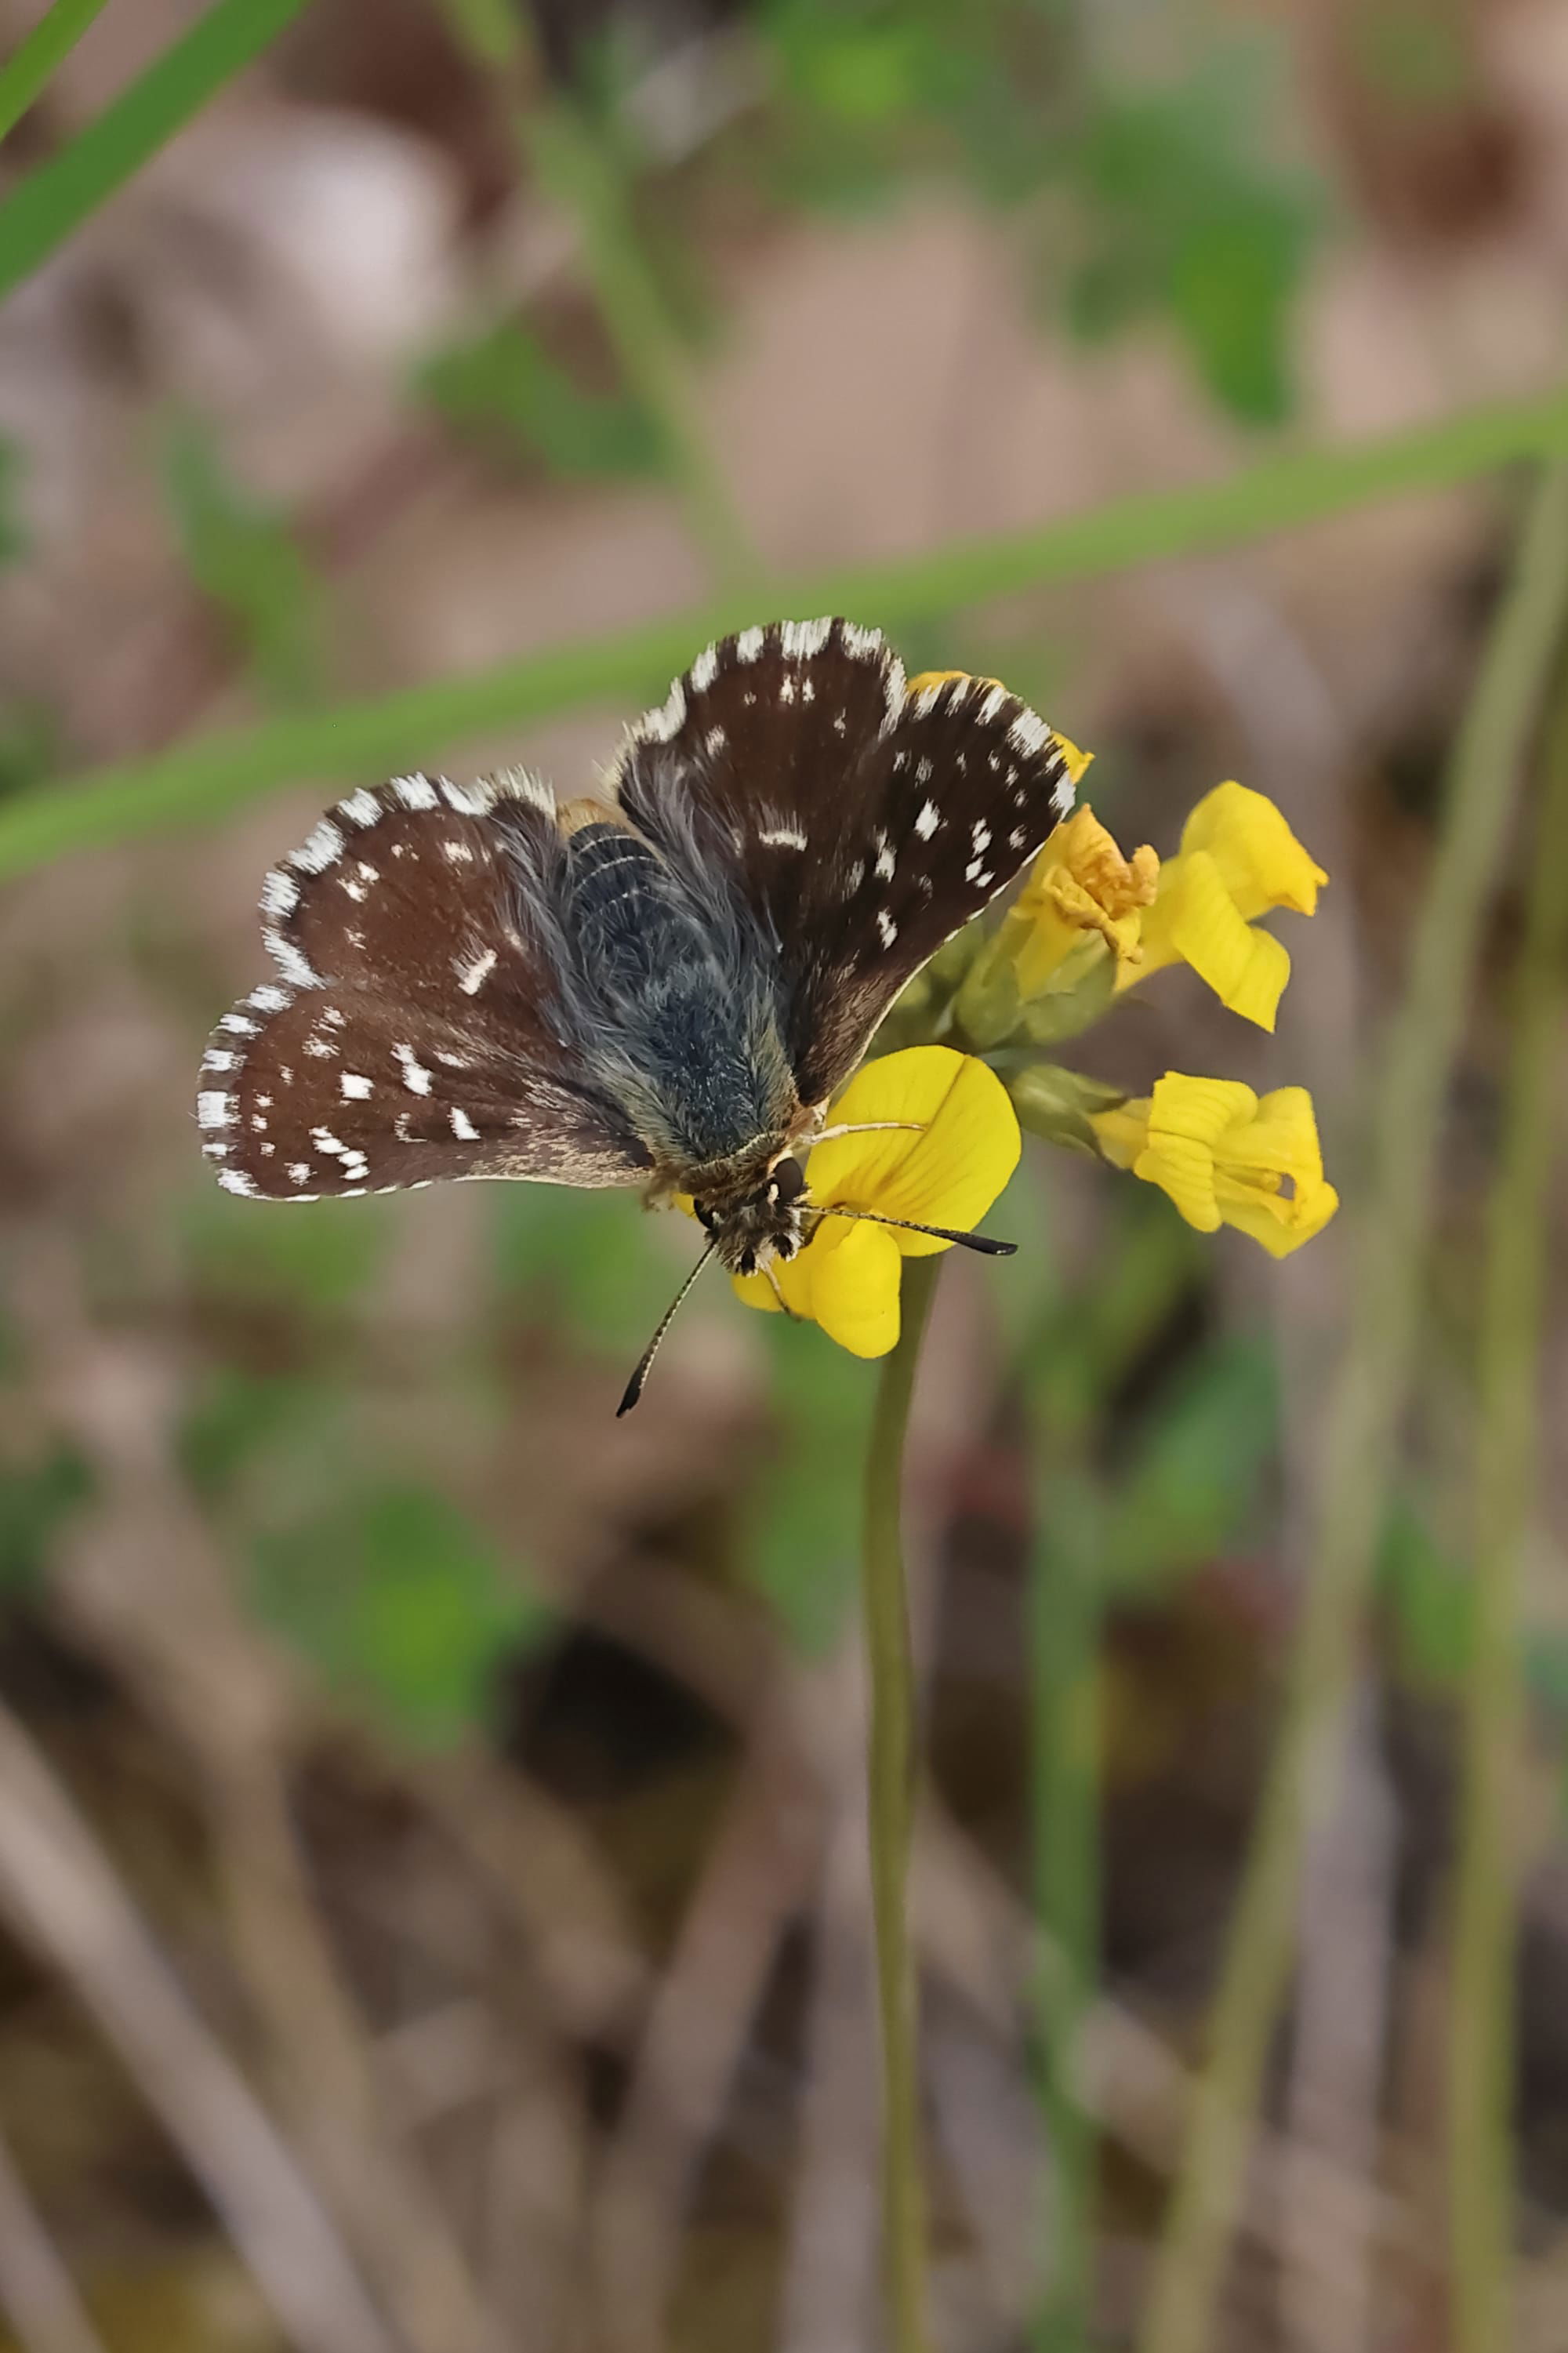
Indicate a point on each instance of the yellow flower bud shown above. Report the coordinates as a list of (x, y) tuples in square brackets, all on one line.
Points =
[(1226, 1158)]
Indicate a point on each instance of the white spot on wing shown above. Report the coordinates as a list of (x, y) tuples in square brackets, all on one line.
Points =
[(475, 799), (522, 785), (715, 741), (928, 819), (215, 1059), (459, 852), (416, 1077), (239, 1025), (659, 726), (923, 772), (354, 1087), (361, 809), (749, 645), (279, 894), (993, 703), (887, 864), (1028, 735), (803, 639), (295, 968), (325, 1141), (474, 971), (463, 1128), (415, 792), (887, 927), (705, 670), (356, 890), (784, 837), (323, 849), (982, 834), (299, 1172), (213, 1109), (235, 1180)]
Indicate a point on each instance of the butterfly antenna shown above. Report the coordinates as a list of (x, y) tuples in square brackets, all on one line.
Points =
[(634, 1385), (981, 1243)]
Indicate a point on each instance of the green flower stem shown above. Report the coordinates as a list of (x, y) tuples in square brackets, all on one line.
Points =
[(1065, 1609), (31, 63), (891, 1769), (44, 209), (1364, 1412), (560, 145), (203, 779), (1480, 2168)]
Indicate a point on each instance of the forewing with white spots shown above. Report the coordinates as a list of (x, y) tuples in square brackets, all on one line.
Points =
[(863, 823), (414, 1030)]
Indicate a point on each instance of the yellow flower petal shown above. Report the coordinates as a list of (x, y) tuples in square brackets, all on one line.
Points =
[(1261, 860), (1225, 1157), (1082, 897), (947, 1169), (1280, 1222), (944, 1165), (1197, 919), (855, 1290)]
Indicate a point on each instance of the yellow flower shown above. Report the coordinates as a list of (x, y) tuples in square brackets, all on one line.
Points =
[(945, 1170), (1226, 1157), (1082, 897), (1238, 858)]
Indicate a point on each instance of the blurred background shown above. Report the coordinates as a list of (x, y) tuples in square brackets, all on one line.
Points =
[(433, 1913)]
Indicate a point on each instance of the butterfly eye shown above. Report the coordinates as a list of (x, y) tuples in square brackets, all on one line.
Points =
[(788, 1181), (707, 1218)]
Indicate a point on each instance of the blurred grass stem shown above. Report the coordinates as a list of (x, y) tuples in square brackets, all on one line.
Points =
[(1064, 1611), (34, 59), (44, 209), (1480, 2164), (1365, 1411), (559, 143), (891, 1812), (216, 773)]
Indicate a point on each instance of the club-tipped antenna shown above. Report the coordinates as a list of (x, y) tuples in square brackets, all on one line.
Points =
[(981, 1243), (634, 1385)]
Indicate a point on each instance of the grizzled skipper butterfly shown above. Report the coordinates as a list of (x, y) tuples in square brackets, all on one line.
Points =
[(660, 983)]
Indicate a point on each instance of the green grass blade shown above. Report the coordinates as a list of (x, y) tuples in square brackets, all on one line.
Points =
[(1364, 1412), (216, 773), (1508, 1448), (30, 64), (55, 200)]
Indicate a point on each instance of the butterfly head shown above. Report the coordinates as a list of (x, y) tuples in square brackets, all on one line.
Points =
[(760, 1221)]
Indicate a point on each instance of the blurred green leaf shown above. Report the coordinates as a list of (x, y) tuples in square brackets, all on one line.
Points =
[(588, 1259), (34, 1501), (15, 540), (236, 1413), (246, 561), (804, 1520), (1427, 1593), (1180, 212), (505, 383), (403, 1605), (1194, 1483), (311, 1254)]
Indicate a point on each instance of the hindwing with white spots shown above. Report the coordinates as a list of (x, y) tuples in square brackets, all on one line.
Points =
[(414, 1030), (863, 824)]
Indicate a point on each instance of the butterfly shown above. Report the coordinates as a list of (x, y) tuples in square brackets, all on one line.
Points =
[(661, 983)]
